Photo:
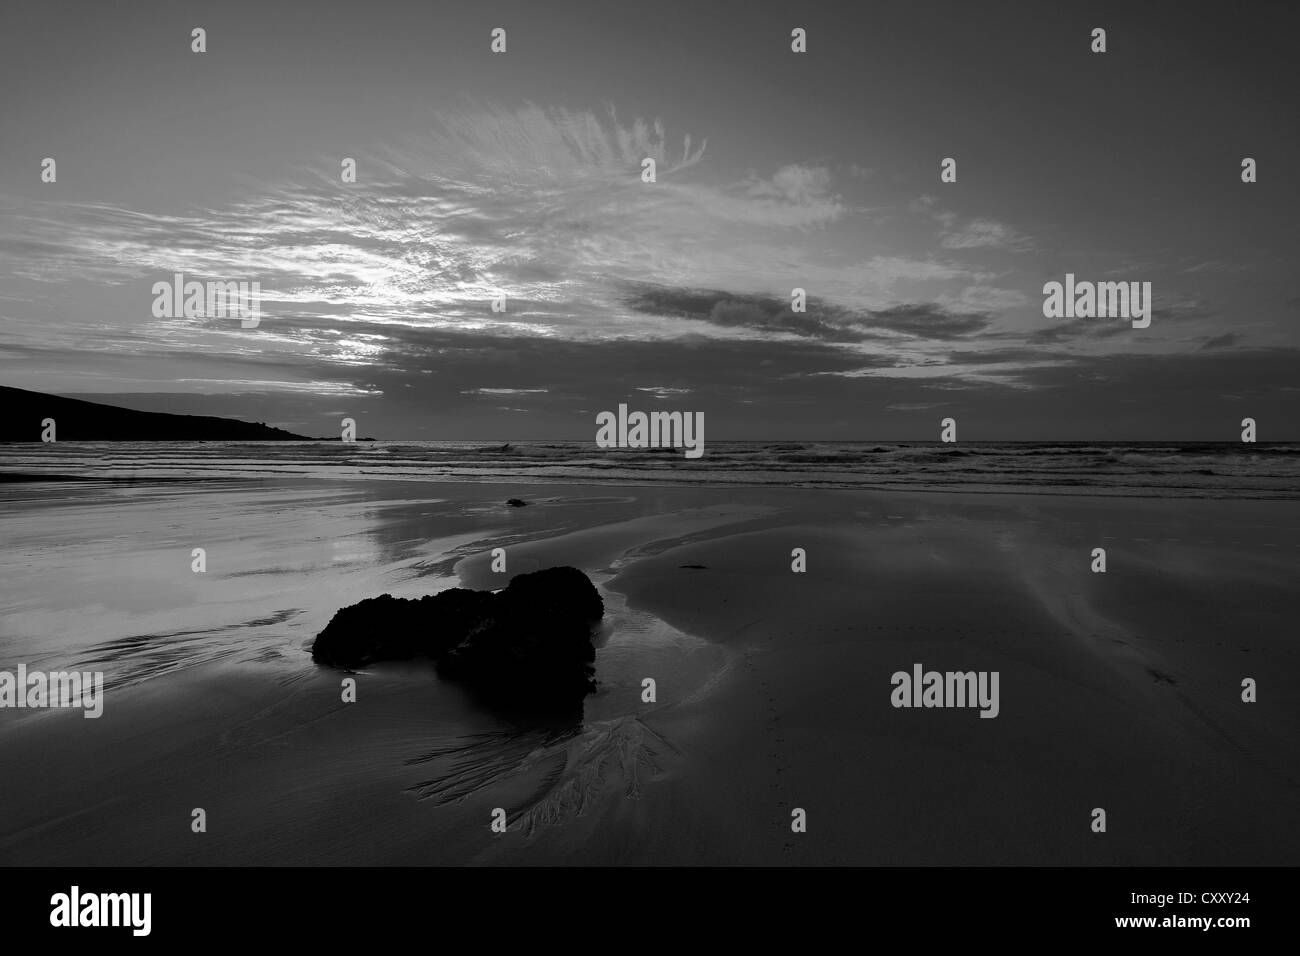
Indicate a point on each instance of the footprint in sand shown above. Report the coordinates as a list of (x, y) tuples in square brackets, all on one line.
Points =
[(779, 768)]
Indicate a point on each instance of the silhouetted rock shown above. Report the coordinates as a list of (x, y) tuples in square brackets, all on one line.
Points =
[(526, 647), (516, 502), (22, 414), (386, 628)]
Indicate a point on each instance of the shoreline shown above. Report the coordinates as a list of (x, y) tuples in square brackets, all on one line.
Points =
[(1064, 490), (1185, 470)]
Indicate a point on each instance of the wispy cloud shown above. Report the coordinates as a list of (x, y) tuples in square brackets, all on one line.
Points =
[(980, 234), (546, 208)]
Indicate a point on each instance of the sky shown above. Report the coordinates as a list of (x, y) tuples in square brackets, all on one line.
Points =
[(519, 174)]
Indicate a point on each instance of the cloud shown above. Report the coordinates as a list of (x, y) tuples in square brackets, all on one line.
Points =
[(980, 234), (1077, 330), (797, 184), (1227, 340), (504, 391), (545, 207), (794, 197), (823, 321), (984, 298), (888, 270), (534, 143), (1181, 312), (664, 391), (929, 321)]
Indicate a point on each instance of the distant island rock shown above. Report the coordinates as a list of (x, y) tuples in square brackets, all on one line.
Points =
[(516, 502), (525, 648), (22, 413)]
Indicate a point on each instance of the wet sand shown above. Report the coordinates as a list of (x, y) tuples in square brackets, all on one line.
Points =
[(1118, 690)]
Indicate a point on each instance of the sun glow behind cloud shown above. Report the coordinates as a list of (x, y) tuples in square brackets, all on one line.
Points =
[(547, 208)]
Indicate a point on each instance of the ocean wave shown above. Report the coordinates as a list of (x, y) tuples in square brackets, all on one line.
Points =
[(1176, 468)]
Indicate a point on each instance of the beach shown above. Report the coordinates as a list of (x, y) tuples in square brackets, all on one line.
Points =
[(1119, 690)]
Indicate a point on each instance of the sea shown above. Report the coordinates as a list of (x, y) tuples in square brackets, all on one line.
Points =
[(1154, 469)]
